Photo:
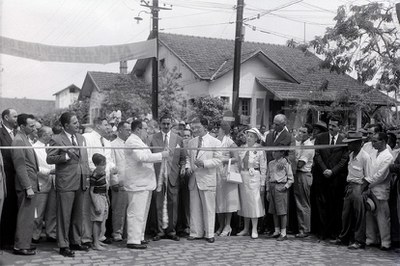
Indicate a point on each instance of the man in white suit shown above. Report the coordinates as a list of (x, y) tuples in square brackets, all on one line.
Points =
[(139, 182), (203, 180)]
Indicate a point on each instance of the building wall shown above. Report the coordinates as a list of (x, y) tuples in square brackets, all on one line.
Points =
[(65, 99), (95, 104)]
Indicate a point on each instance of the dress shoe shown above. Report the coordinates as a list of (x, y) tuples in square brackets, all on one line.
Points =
[(66, 252), (144, 242), (117, 238), (193, 238), (32, 248), (107, 241), (243, 233), (173, 237), (79, 247), (282, 238), (51, 239), (337, 242), (210, 240), (136, 246), (384, 248), (301, 235), (356, 245), (157, 238), (25, 252), (35, 241), (87, 244)]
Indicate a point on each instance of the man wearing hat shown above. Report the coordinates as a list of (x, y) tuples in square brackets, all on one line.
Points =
[(353, 214), (318, 128)]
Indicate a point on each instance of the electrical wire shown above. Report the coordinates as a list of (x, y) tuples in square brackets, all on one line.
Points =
[(317, 7), (272, 10), (196, 26)]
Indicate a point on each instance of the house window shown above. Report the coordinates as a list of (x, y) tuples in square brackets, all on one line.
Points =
[(162, 63), (244, 106)]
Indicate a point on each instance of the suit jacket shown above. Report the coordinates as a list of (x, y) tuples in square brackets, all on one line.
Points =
[(175, 160), (284, 139), (205, 178), (139, 169), (25, 164), (334, 159), (3, 182), (6, 140), (71, 174)]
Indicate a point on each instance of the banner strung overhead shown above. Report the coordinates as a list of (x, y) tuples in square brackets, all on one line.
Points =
[(102, 54)]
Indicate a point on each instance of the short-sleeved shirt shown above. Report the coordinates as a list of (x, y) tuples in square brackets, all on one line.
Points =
[(359, 167), (306, 155)]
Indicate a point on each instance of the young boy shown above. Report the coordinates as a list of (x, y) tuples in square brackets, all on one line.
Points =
[(98, 194), (279, 179)]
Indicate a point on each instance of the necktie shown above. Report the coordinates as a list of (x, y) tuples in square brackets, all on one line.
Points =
[(333, 140), (12, 134), (73, 141), (102, 141), (275, 133), (165, 141), (199, 145), (246, 161)]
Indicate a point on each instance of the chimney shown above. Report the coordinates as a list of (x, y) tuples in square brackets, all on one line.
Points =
[(123, 67)]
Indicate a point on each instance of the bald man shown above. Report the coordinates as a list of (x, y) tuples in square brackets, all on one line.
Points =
[(46, 197)]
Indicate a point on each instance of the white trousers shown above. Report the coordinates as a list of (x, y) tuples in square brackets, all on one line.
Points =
[(137, 212), (202, 213)]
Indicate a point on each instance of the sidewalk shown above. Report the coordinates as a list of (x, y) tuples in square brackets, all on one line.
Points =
[(225, 251)]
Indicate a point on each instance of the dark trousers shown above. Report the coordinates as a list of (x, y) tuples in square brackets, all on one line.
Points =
[(329, 199), (171, 194), (353, 215), (69, 217), (9, 214), (25, 221), (184, 204)]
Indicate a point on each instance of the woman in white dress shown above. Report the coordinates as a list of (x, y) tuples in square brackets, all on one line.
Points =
[(227, 194), (253, 170)]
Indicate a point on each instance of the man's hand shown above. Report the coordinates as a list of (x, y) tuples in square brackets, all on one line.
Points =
[(165, 154), (29, 193), (280, 166), (115, 188), (281, 189), (328, 173), (53, 171), (199, 163), (189, 171), (364, 185), (72, 155), (268, 196), (97, 210)]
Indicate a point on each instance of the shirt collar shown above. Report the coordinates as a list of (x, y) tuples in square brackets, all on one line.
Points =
[(168, 134), (10, 131), (68, 135)]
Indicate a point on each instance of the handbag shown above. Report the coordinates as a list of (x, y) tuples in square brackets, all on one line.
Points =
[(233, 177)]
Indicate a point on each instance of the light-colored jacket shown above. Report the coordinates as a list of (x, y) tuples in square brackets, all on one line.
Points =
[(379, 177), (139, 169), (205, 178)]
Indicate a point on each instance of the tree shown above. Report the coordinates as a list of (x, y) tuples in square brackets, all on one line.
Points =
[(208, 107), (129, 95), (364, 40), (80, 108), (170, 96)]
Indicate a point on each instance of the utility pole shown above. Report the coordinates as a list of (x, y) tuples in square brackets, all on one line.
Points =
[(237, 60), (154, 33)]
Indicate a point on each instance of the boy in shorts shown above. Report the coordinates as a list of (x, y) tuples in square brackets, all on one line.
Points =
[(278, 181), (98, 194)]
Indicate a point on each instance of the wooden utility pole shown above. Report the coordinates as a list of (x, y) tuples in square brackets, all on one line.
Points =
[(154, 33), (237, 60)]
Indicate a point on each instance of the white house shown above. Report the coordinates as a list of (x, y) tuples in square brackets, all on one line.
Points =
[(67, 96), (273, 78)]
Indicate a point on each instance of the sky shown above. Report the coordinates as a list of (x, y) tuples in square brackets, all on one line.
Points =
[(107, 22)]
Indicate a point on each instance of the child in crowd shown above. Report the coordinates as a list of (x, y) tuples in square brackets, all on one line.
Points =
[(278, 181), (98, 194)]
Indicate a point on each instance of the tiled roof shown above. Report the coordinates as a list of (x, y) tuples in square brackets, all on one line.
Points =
[(72, 86), (106, 80), (29, 106), (211, 58)]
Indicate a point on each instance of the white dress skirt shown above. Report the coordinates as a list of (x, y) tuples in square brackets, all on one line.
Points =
[(227, 194)]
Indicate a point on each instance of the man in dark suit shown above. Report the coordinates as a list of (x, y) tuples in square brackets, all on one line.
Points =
[(168, 180), (26, 184), (280, 136), (10, 207), (330, 179), (72, 173)]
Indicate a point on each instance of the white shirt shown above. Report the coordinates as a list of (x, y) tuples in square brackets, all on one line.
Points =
[(359, 167), (305, 155), (378, 179), (10, 131), (45, 180), (93, 140), (334, 137), (119, 159), (166, 135)]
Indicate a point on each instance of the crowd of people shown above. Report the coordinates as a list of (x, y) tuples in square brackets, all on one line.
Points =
[(135, 179)]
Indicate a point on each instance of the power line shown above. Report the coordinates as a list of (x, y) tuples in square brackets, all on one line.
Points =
[(285, 36), (272, 10), (317, 7), (201, 25), (302, 21)]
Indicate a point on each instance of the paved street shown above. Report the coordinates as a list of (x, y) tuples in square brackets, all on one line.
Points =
[(225, 251)]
